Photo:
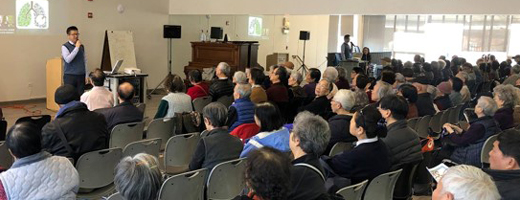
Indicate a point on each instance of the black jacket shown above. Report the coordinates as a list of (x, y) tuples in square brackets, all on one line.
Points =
[(403, 144), (339, 131), (84, 130), (425, 104), (307, 183), (218, 146), (125, 112), (319, 106), (507, 181), (221, 87)]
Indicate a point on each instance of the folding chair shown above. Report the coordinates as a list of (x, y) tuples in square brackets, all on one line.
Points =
[(226, 180), (115, 196), (39, 120), (488, 146), (150, 146), (186, 186), (435, 122), (445, 118), (6, 160), (162, 128), (382, 187), (179, 151), (340, 147), (96, 172), (226, 100), (403, 186), (454, 114), (412, 122), (201, 102), (422, 126), (124, 134), (353, 192)]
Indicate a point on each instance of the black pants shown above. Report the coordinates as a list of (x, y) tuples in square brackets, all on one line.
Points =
[(78, 81)]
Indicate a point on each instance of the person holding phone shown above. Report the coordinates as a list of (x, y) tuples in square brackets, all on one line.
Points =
[(75, 61)]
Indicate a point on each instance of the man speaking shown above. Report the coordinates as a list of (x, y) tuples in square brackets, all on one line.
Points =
[(73, 54)]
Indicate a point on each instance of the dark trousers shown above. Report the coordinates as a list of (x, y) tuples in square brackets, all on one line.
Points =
[(78, 81)]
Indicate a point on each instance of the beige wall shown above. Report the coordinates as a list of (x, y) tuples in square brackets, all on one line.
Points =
[(366, 7), (272, 41), (23, 55)]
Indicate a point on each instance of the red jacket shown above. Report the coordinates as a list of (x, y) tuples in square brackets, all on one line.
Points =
[(199, 90)]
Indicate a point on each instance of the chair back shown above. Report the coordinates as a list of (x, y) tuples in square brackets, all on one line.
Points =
[(124, 134), (340, 147), (162, 128), (201, 102), (186, 186), (226, 100), (141, 107), (455, 114), (422, 126), (96, 168), (445, 118), (6, 160), (382, 187), (353, 192), (403, 186), (488, 146), (39, 120), (3, 129), (179, 151), (226, 180), (115, 196), (149, 146), (413, 122), (435, 122)]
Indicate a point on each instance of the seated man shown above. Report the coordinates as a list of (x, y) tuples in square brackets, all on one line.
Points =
[(308, 140), (36, 174), (99, 96), (321, 104), (402, 141), (76, 130), (278, 92), (504, 167), (424, 100), (465, 182), (242, 111), (217, 145), (125, 112), (222, 86)]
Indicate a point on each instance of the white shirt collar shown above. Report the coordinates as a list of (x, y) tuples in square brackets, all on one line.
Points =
[(366, 141), (256, 86), (71, 42)]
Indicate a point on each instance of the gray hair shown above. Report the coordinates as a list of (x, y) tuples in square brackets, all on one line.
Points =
[(313, 132), (297, 76), (464, 74), (240, 77), (435, 65), (225, 68), (488, 105), (244, 90), (138, 177), (466, 182), (216, 113), (331, 74), (516, 69), (408, 64), (399, 78), (342, 73), (509, 94), (442, 64), (347, 99), (385, 89)]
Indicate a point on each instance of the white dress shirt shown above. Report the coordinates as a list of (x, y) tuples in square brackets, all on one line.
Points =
[(69, 56), (98, 97), (366, 141)]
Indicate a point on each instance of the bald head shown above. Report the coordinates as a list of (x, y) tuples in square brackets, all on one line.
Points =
[(125, 92)]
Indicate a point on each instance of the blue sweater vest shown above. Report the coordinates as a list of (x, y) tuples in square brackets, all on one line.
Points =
[(245, 112), (77, 65)]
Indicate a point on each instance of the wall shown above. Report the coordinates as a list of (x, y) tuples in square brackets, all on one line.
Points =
[(365, 7), (374, 32), (23, 55), (273, 40)]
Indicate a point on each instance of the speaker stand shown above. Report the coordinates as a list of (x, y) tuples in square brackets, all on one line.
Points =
[(149, 96), (303, 68)]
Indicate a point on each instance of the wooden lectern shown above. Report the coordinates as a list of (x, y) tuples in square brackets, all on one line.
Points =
[(238, 55), (54, 71)]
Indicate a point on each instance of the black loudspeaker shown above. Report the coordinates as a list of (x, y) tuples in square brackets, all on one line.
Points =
[(172, 31), (305, 35), (216, 33)]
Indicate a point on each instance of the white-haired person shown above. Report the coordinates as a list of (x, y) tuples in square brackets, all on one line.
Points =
[(506, 97), (464, 182), (331, 74), (468, 144), (381, 89), (239, 77), (222, 86), (138, 177)]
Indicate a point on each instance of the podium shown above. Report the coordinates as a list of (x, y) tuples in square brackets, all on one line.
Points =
[(239, 55), (54, 74)]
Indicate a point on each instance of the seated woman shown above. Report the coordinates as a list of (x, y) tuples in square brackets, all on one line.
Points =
[(176, 101), (297, 96), (342, 81), (468, 144), (506, 97), (321, 104), (239, 77), (138, 177), (199, 88), (442, 101), (272, 133), (342, 104), (409, 92), (370, 157), (267, 175)]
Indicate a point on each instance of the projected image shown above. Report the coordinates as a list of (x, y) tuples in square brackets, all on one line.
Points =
[(255, 26), (32, 14)]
